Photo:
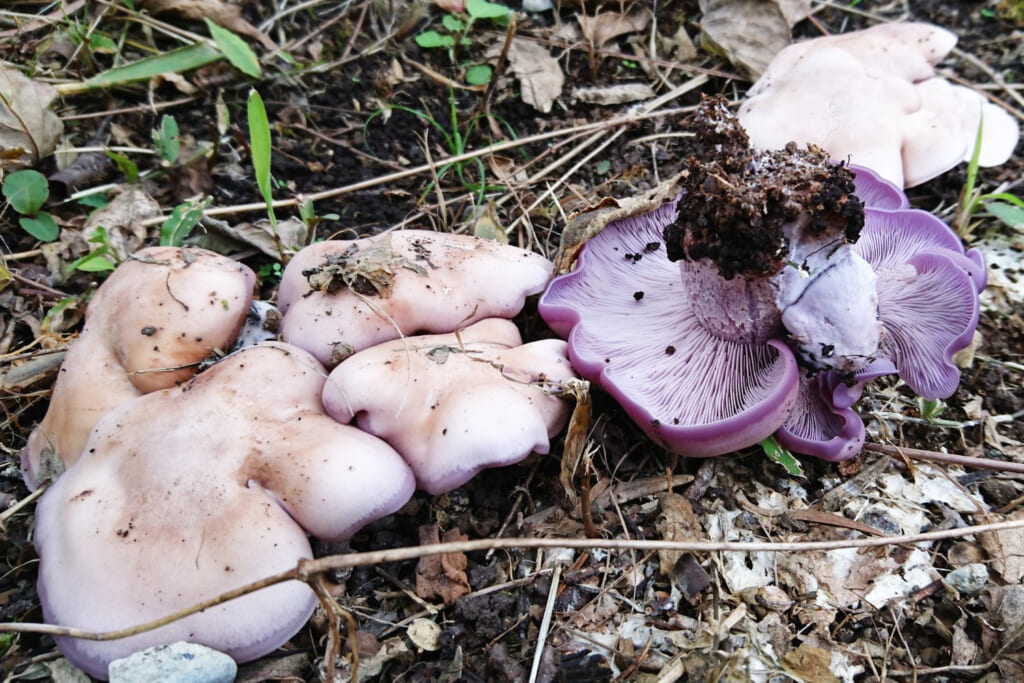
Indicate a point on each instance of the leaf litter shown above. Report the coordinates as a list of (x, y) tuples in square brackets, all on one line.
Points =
[(819, 615)]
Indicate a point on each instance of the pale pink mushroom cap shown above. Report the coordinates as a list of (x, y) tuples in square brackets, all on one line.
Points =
[(147, 328), (439, 282), (455, 405), (872, 98), (192, 491)]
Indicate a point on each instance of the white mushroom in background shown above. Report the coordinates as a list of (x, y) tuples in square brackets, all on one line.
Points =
[(873, 98)]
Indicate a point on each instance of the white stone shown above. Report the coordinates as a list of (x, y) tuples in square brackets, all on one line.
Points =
[(175, 663)]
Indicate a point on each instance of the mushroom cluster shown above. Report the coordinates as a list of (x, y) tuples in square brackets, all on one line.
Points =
[(763, 298), (180, 486), (873, 98)]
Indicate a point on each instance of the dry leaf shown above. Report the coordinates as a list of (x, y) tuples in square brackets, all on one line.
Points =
[(442, 576), (122, 218), (747, 32), (292, 232), (809, 663), (228, 16), (614, 94), (1006, 550), (795, 10), (676, 523), (28, 129), (605, 26), (540, 77)]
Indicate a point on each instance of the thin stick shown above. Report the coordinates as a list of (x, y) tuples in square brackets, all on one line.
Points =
[(545, 623), (949, 459), (307, 570)]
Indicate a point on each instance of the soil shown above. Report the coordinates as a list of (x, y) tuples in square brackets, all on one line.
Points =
[(329, 132)]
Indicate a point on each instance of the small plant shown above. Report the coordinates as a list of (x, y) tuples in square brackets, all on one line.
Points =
[(270, 273), (183, 219), (27, 192), (100, 259), (781, 455), (259, 145), (1007, 207), (167, 139), (456, 34)]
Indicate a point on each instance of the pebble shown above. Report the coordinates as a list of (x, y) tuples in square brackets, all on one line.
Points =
[(968, 579), (176, 663), (537, 5)]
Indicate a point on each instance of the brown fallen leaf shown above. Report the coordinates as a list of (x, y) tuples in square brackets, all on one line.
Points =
[(614, 94), (228, 16), (29, 131), (1006, 549), (292, 232), (539, 74), (123, 220), (442, 576), (605, 26), (747, 32), (677, 523), (809, 663)]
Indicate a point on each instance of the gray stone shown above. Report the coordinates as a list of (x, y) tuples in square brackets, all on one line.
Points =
[(968, 579), (175, 663)]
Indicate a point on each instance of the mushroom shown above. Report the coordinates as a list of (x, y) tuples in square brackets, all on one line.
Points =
[(186, 493), (872, 97), (453, 404), (786, 296), (340, 297), (148, 327)]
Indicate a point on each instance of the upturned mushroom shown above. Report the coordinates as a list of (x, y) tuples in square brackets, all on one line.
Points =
[(188, 492), (872, 98), (340, 297), (455, 404), (148, 327), (744, 306)]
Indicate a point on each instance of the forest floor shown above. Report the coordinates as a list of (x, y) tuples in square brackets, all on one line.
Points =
[(363, 119)]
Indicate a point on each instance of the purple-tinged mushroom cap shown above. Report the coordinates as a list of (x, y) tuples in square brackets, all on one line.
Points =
[(875, 191), (928, 295), (634, 332), (187, 493), (820, 428), (774, 316)]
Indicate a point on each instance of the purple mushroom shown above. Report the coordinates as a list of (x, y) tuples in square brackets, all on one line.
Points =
[(763, 298)]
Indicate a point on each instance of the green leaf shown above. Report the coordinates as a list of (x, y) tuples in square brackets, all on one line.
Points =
[(452, 23), (259, 141), (431, 39), (182, 220), (781, 455), (1012, 215), (482, 9), (27, 191), (94, 263), (236, 50), (102, 44), (125, 165), (175, 61), (479, 74), (167, 139), (42, 226), (94, 201)]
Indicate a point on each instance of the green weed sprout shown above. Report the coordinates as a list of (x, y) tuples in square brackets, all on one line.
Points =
[(27, 192), (1005, 206), (456, 35)]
